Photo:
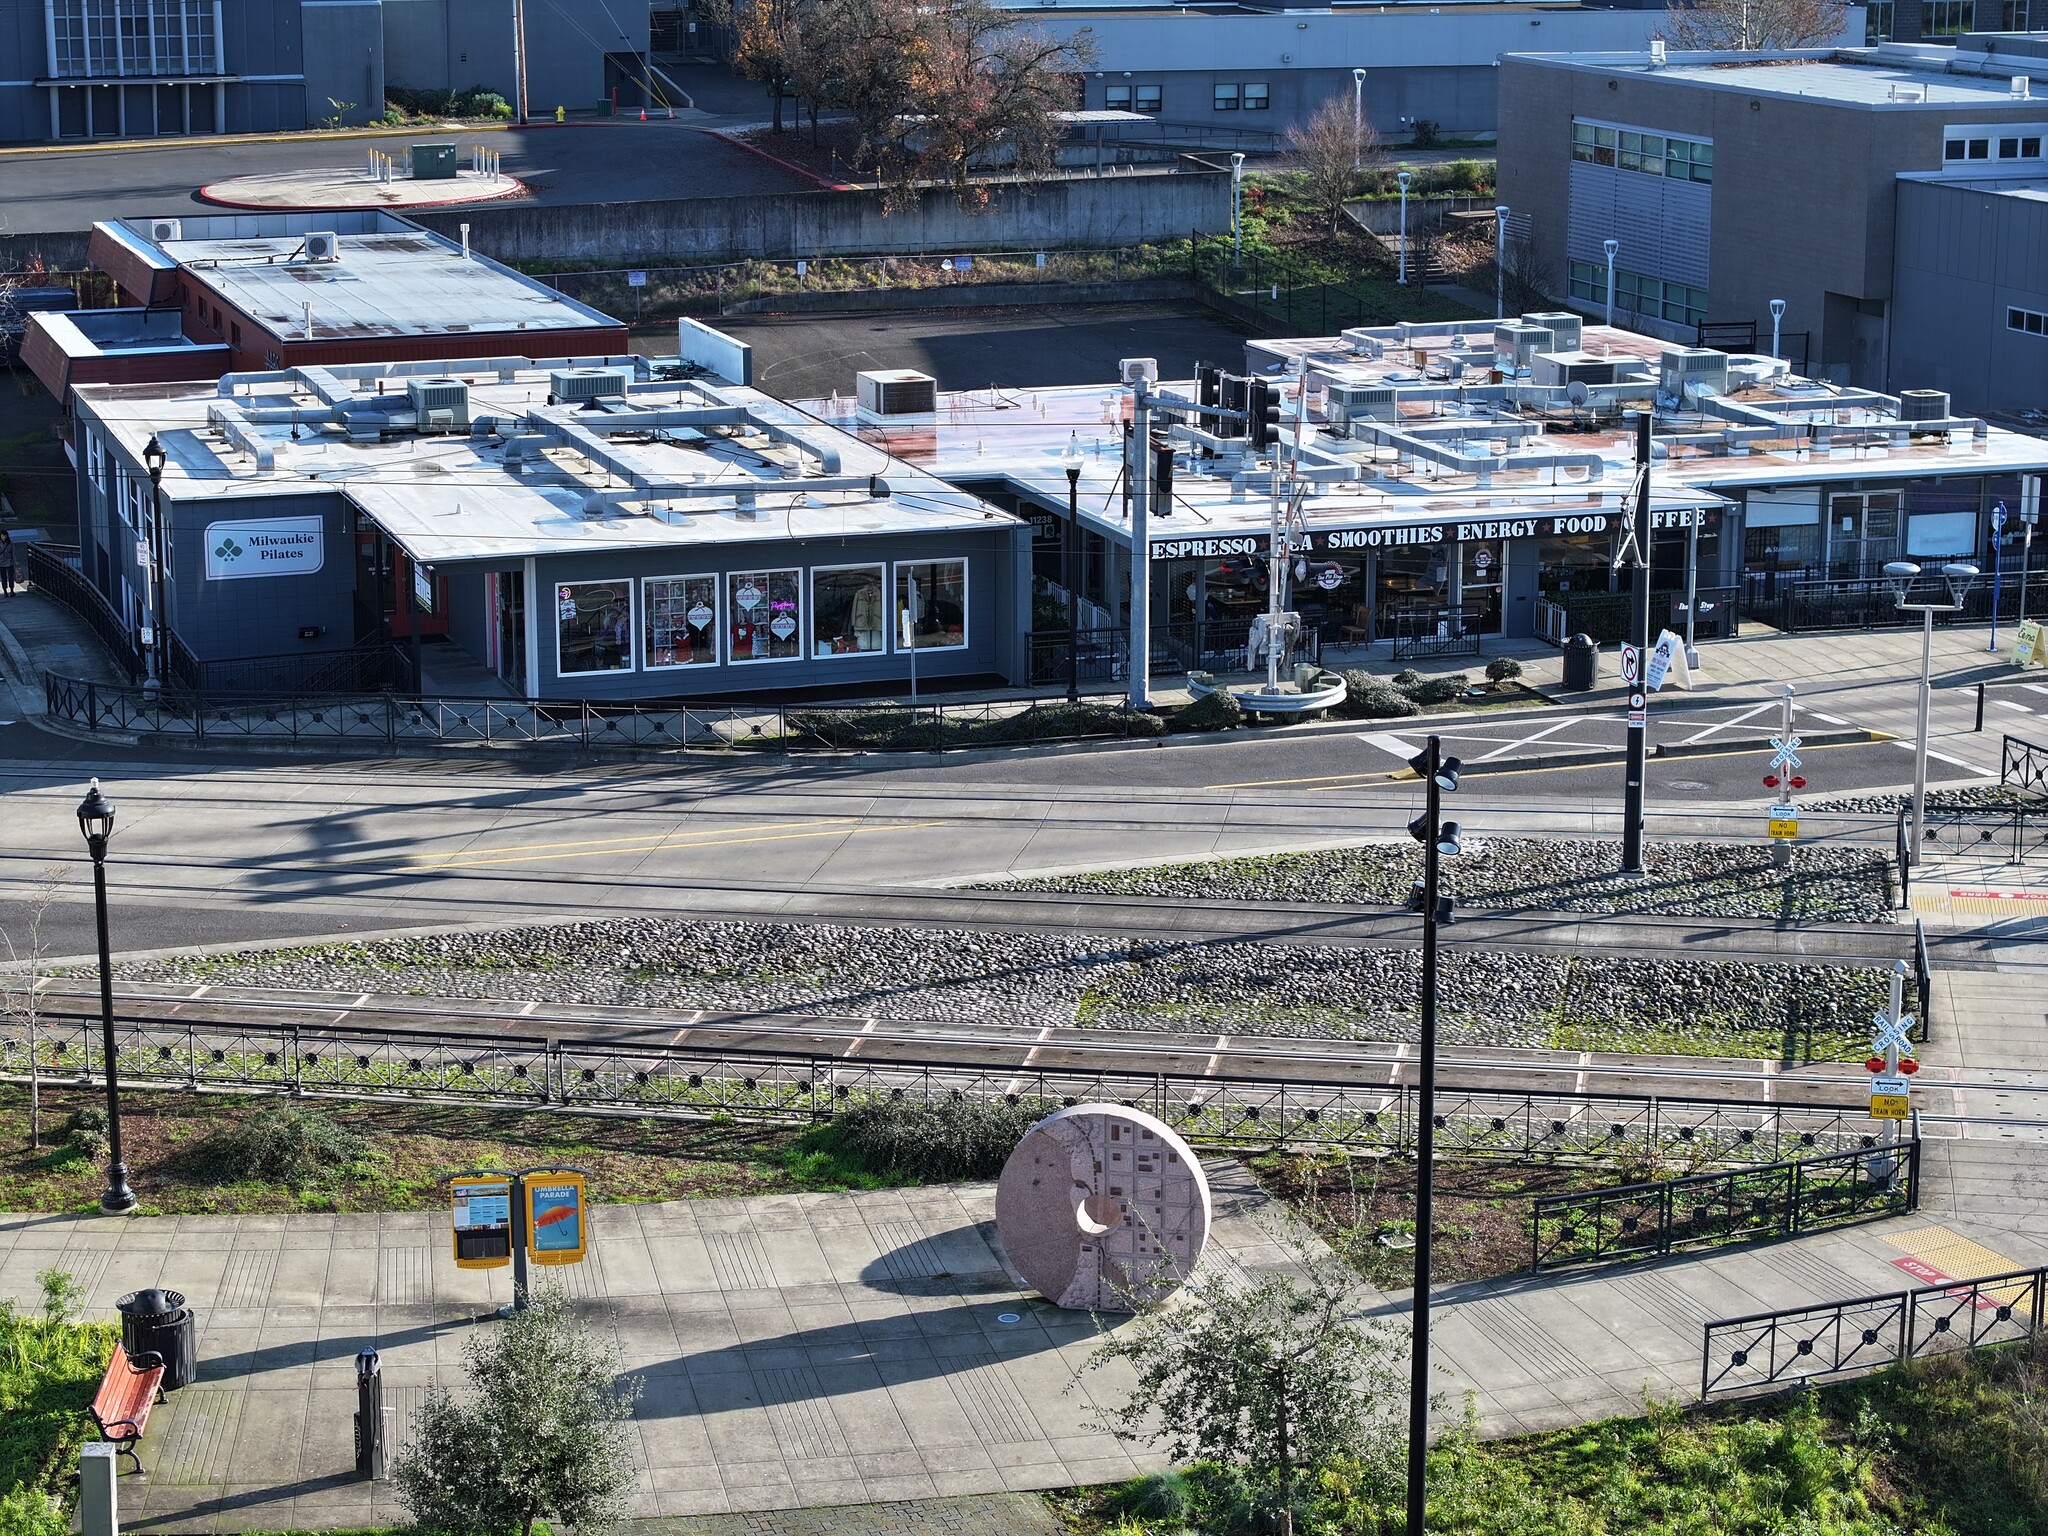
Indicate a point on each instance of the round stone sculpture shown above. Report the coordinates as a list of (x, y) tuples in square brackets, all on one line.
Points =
[(1102, 1208)]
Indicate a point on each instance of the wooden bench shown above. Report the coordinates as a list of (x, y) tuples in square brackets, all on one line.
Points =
[(132, 1386)]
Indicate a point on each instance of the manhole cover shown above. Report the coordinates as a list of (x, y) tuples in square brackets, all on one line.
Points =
[(1686, 784), (1009, 1318)]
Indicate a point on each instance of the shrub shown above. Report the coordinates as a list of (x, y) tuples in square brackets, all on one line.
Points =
[(1379, 702), (1437, 690), (31, 1512), (934, 1139), (1502, 669), (1218, 711), (86, 1132), (1407, 678), (286, 1144), (1160, 1497)]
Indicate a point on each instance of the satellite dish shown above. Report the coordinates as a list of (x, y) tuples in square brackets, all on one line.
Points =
[(1577, 393)]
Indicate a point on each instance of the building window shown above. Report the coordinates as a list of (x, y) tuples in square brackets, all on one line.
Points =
[(680, 614), (2013, 16), (1148, 98), (2024, 147), (1117, 98), (762, 612), (1257, 96), (939, 622), (95, 461), (111, 38), (1652, 154), (1947, 18), (593, 627), (1636, 294), (1226, 98), (1877, 21), (848, 616), (2032, 321)]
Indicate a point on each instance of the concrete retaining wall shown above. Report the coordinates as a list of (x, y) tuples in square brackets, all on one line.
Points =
[(1090, 211), (61, 251)]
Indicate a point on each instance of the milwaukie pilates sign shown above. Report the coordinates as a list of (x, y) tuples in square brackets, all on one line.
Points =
[(271, 546)]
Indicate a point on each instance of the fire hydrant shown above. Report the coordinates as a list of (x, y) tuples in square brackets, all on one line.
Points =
[(561, 116)]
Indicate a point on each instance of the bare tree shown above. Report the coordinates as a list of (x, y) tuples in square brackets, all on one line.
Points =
[(1719, 26), (1328, 153), (23, 1000)]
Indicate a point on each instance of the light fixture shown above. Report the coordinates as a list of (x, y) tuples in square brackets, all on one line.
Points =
[(96, 815), (154, 457), (1071, 459), (1447, 772), (1419, 828), (1449, 840)]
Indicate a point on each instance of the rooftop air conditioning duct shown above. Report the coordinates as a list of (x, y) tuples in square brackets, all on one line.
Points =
[(442, 405), (1923, 405), (897, 392), (1517, 344), (166, 229), (1692, 368), (323, 245), (576, 386), (1568, 328)]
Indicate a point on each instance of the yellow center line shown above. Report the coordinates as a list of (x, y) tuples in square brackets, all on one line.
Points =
[(649, 838), (839, 829), (1332, 778)]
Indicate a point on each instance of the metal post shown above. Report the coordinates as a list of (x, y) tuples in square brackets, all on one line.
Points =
[(1404, 178), (1781, 848), (1500, 261), (518, 1302), (1357, 120), (1920, 740), (1073, 586), (1777, 321), (369, 1416), (1692, 585), (1997, 567), (1639, 633), (118, 1198), (1613, 249), (2030, 514), (519, 56), (1425, 1153), (1138, 473), (910, 617), (1236, 212)]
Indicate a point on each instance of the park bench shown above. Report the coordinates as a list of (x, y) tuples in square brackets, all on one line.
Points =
[(132, 1386)]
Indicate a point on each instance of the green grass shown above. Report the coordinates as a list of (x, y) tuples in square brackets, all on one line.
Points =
[(48, 1374), (1956, 1446)]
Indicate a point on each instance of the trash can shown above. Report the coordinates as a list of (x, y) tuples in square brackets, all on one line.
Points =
[(433, 162), (1581, 663), (159, 1322)]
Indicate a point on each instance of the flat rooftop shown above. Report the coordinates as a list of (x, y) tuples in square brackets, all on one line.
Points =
[(1889, 77), (673, 463), (390, 279)]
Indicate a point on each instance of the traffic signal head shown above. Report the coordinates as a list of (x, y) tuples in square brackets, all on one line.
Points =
[(1208, 386), (1162, 478), (1262, 404)]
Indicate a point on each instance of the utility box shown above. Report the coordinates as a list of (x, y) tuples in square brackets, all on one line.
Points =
[(433, 162)]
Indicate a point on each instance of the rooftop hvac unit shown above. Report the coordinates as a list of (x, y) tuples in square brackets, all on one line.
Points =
[(1132, 369), (323, 245), (1683, 368), (1512, 339), (442, 405), (1923, 405), (574, 386), (166, 229), (1562, 368), (897, 392), (1347, 403), (1567, 327)]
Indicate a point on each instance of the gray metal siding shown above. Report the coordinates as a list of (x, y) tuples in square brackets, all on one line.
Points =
[(1665, 226), (1964, 258)]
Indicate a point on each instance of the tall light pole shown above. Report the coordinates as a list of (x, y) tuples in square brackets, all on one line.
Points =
[(1070, 461), (1438, 838), (1777, 325), (153, 457), (1635, 550), (1138, 475), (1357, 120), (1900, 575), (2030, 514), (1613, 249), (96, 822), (1997, 568), (1237, 210), (519, 57), (1500, 261), (1404, 178)]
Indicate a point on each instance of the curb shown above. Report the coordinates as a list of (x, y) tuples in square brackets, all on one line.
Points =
[(208, 141), (796, 170), (518, 189)]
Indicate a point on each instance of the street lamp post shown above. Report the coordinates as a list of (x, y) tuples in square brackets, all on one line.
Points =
[(1439, 838), (1070, 461), (1900, 575), (1404, 178), (96, 821), (1613, 249), (1237, 211), (1777, 325), (1357, 120), (1500, 261), (2030, 514), (1997, 568), (153, 457)]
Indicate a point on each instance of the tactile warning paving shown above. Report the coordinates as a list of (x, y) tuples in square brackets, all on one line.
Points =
[(1955, 1255)]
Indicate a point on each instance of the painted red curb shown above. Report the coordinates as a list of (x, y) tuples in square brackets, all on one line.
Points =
[(207, 194), (824, 181)]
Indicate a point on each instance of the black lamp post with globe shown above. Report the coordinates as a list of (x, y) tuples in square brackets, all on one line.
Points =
[(96, 821)]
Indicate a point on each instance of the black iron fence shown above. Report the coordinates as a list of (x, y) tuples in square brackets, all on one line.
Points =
[(503, 1068), (54, 569), (1795, 601), (2005, 833), (375, 666), (2023, 765), (1714, 1210), (1866, 1333)]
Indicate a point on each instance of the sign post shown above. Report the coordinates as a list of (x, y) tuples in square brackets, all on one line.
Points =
[(1891, 1061), (1635, 551), (1784, 777), (503, 1216)]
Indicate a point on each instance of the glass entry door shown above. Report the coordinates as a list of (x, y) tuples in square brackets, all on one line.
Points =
[(512, 628)]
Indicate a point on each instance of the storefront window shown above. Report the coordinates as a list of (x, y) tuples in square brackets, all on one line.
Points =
[(593, 627), (941, 620), (761, 607), (1479, 572), (681, 615), (847, 612), (1574, 562), (1413, 590)]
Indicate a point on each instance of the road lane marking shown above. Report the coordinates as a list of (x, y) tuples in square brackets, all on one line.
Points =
[(1900, 741), (1748, 714), (842, 830), (1510, 746), (1328, 778), (607, 842)]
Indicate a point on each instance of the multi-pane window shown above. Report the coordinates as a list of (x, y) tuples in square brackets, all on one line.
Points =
[(2013, 16), (1878, 20), (1947, 18), (2022, 142), (1117, 98), (1257, 96), (2032, 321), (1653, 154), (97, 38), (1225, 96), (1638, 294), (1148, 98)]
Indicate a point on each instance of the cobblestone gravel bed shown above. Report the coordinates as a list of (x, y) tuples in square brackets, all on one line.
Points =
[(1580, 1002), (1695, 879), (1974, 797)]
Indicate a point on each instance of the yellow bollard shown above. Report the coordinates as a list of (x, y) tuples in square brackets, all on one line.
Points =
[(561, 116)]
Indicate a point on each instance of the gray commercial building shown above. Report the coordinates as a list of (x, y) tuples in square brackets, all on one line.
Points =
[(1731, 180), (104, 69)]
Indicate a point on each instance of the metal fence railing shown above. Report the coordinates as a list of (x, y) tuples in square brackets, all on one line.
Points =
[(1866, 1333), (2007, 833), (505, 1068), (2023, 765), (54, 570), (1714, 1210), (1807, 602)]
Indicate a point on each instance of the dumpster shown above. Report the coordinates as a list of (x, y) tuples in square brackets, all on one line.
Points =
[(1581, 663), (433, 162), (159, 1323)]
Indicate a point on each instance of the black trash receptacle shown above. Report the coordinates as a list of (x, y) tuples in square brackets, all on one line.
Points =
[(1581, 663), (159, 1322)]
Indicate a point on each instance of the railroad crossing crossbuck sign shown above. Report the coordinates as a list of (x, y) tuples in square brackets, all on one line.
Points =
[(1784, 753), (1893, 1033)]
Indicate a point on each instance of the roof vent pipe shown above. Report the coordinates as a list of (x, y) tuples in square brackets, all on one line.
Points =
[(465, 242), (2022, 88), (309, 320)]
